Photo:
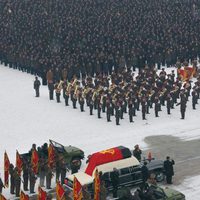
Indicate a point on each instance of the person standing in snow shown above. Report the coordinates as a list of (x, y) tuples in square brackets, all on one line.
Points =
[(169, 170), (37, 86)]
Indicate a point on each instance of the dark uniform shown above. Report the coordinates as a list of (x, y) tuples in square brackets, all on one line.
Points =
[(114, 176), (25, 176), (145, 172), (117, 114), (12, 179), (182, 104), (169, 170), (51, 89), (1, 185), (156, 106), (49, 175), (137, 152), (32, 180), (17, 179), (37, 86)]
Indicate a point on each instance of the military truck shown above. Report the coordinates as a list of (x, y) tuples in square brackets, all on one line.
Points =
[(69, 153)]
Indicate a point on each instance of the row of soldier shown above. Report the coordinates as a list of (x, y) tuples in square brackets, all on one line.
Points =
[(125, 93), (45, 171)]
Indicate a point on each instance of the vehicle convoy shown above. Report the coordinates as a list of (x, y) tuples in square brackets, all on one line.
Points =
[(128, 166), (69, 153)]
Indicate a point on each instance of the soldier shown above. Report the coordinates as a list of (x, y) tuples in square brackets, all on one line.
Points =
[(42, 171), (81, 102), (63, 171), (12, 179), (108, 109), (91, 104), (169, 103), (67, 92), (156, 106), (117, 113), (1, 185), (32, 180), (143, 103), (194, 98), (25, 175), (130, 110), (137, 152), (86, 194), (58, 87), (37, 86), (182, 104), (169, 170), (17, 181), (51, 89), (114, 176), (145, 173), (49, 175)]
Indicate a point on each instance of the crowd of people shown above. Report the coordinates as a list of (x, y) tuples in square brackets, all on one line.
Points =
[(92, 37)]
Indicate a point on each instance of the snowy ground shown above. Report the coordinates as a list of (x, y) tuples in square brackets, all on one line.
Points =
[(25, 119)]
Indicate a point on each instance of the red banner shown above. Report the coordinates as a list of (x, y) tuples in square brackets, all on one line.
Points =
[(2, 197), (77, 190), (103, 157), (42, 195), (96, 186), (51, 156), (186, 73), (34, 161), (6, 170), (23, 196), (19, 162), (60, 192)]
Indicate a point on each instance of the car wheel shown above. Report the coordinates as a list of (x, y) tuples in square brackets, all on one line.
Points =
[(159, 176)]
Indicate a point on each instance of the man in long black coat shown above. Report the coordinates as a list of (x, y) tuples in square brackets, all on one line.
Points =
[(169, 169)]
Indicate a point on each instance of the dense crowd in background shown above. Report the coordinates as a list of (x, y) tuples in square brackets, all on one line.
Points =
[(91, 37)]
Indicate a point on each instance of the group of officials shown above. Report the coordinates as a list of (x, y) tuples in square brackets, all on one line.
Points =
[(124, 92)]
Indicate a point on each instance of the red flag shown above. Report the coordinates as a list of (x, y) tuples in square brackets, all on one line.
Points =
[(77, 189), (2, 197), (96, 186), (23, 196), (6, 170), (42, 195), (51, 156), (102, 157), (19, 162), (34, 161), (60, 192)]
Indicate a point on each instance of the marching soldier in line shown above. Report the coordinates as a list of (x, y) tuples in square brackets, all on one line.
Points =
[(81, 101), (194, 98), (130, 109), (108, 108), (90, 101), (169, 103), (182, 104), (117, 112), (64, 87), (99, 105), (12, 179), (67, 93), (58, 88), (25, 169), (156, 106), (51, 89), (143, 103), (32, 179)]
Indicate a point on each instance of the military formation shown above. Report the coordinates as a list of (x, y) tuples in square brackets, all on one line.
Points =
[(123, 93)]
